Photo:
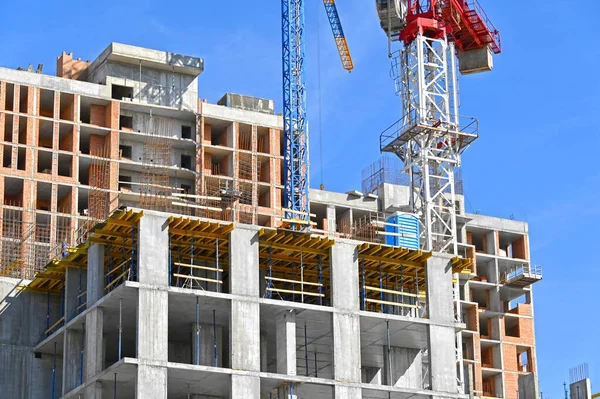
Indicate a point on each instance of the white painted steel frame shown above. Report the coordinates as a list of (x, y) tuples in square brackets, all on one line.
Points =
[(427, 83)]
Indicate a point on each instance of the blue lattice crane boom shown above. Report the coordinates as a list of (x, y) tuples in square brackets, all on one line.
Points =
[(338, 34), (296, 165)]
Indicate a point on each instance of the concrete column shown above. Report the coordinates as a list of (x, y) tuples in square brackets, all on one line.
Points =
[(264, 357), (442, 352), (94, 391), (440, 306), (286, 343), (346, 322), (245, 386), (344, 277), (95, 274), (71, 360), (331, 223), (94, 343), (441, 338), (153, 265), (153, 309), (245, 312), (403, 367), (347, 392), (73, 280), (206, 336)]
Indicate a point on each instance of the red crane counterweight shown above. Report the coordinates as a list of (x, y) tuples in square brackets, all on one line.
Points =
[(463, 21)]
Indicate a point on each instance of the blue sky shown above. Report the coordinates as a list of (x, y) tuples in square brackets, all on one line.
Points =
[(537, 113)]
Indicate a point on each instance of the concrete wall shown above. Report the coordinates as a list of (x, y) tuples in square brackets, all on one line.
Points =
[(22, 324), (156, 87)]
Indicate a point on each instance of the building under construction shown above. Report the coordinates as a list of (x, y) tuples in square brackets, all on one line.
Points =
[(144, 254)]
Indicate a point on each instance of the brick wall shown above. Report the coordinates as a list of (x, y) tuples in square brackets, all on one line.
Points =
[(67, 67)]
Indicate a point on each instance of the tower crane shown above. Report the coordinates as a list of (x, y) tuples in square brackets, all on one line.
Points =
[(296, 165), (430, 136)]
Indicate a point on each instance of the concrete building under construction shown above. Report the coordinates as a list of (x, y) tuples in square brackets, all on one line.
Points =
[(144, 254)]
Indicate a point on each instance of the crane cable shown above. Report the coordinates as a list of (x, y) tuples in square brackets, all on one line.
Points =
[(322, 185)]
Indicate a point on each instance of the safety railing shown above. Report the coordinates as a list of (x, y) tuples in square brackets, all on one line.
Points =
[(395, 133), (531, 272), (495, 35)]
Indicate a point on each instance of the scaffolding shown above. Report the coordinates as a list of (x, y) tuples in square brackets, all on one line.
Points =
[(156, 190), (296, 267), (392, 280), (385, 170), (199, 254)]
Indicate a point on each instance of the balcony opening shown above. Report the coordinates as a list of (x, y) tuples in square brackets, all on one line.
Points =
[(122, 92), (186, 132), (125, 151), (125, 183), (125, 122), (511, 327), (186, 161)]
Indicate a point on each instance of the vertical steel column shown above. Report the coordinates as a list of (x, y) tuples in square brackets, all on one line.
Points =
[(133, 256), (218, 286), (197, 358), (270, 285), (133, 271), (62, 301), (293, 283), (81, 355), (305, 349), (54, 371), (48, 314), (170, 262), (216, 359), (387, 307), (380, 289), (416, 309), (120, 326), (115, 387), (79, 291), (316, 367), (389, 351), (301, 278), (363, 299), (321, 280)]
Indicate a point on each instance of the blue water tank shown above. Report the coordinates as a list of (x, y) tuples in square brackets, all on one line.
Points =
[(405, 231)]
